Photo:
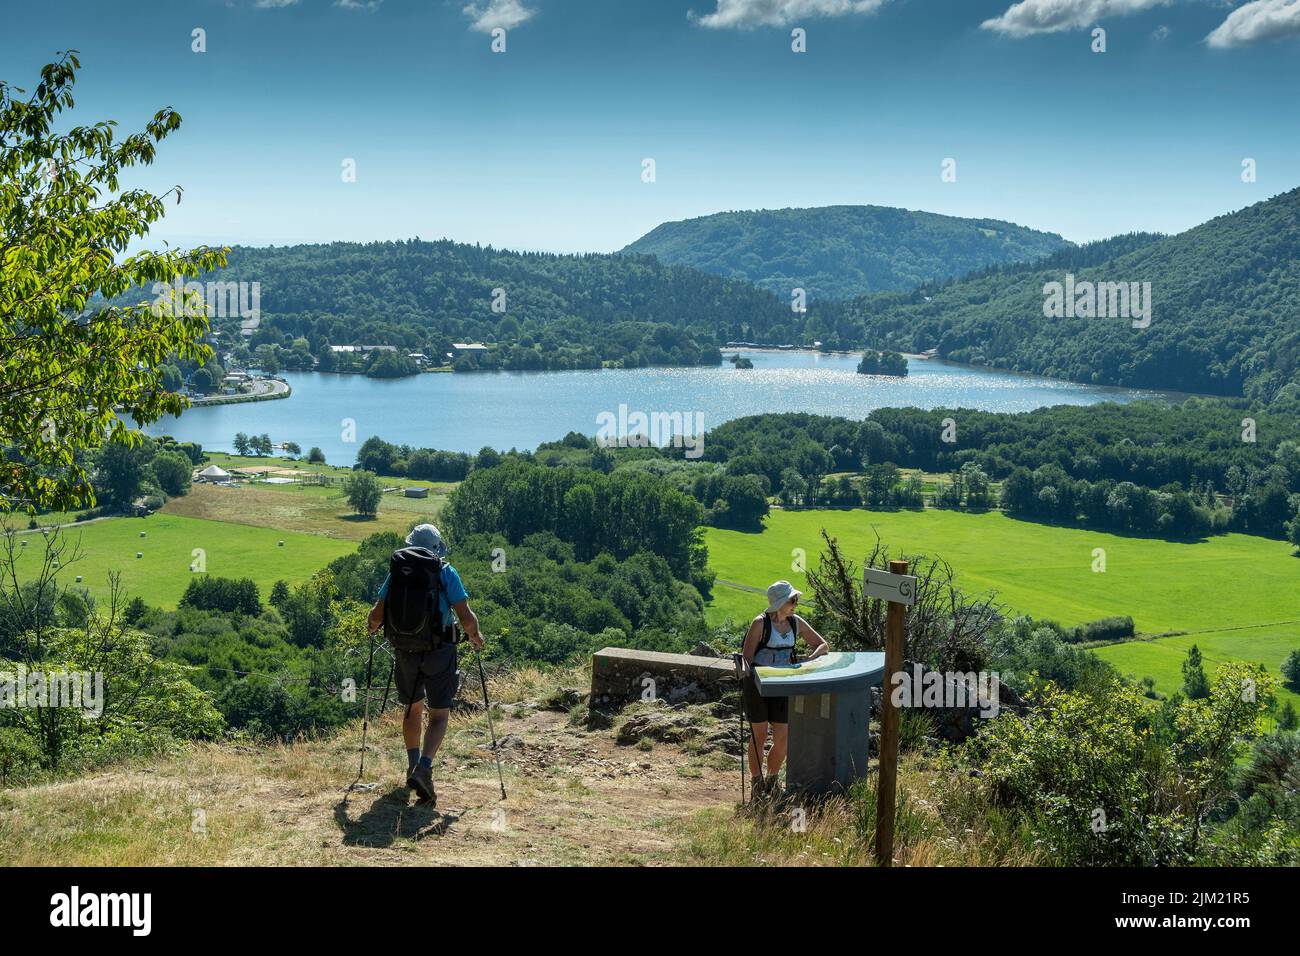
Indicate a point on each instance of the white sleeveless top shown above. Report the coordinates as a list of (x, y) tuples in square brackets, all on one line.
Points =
[(780, 647)]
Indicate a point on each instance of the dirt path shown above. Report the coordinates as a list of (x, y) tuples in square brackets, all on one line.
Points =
[(67, 524), (575, 797)]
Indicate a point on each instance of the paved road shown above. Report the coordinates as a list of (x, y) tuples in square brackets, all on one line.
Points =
[(262, 388)]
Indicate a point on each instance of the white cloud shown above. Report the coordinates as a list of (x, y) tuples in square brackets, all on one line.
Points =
[(746, 14), (1160, 33), (273, 4), (1052, 16), (489, 15), (1256, 21), (368, 5)]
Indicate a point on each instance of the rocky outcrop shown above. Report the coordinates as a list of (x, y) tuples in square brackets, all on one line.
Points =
[(701, 726)]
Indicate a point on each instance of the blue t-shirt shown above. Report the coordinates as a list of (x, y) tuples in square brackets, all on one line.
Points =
[(453, 592)]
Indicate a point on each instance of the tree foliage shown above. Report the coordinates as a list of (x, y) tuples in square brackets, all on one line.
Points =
[(1180, 471), (620, 513), (882, 363), (362, 490), (74, 370)]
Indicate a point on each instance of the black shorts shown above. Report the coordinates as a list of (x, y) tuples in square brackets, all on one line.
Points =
[(762, 710), (427, 675)]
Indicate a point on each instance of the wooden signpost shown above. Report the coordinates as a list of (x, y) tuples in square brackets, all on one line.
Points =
[(899, 589)]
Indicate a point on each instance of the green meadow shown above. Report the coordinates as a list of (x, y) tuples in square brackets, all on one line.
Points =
[(1162, 659), (1212, 586), (163, 572)]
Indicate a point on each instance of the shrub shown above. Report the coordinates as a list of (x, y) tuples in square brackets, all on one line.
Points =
[(1026, 648), (1102, 782), (20, 758), (1106, 629), (223, 594)]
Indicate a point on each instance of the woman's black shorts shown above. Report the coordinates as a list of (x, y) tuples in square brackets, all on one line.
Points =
[(762, 710)]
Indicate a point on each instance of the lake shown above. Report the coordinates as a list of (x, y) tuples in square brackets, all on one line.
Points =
[(466, 411)]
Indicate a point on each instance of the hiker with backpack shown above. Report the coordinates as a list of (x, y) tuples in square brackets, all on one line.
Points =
[(770, 642), (419, 604)]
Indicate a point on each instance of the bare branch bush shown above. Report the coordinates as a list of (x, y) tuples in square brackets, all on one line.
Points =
[(946, 628)]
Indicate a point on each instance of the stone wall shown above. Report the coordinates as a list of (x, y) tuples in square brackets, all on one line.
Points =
[(620, 676)]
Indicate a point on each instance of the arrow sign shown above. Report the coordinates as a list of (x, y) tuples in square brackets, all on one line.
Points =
[(899, 588)]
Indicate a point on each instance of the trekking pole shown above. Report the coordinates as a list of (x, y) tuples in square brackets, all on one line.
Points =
[(365, 724), (388, 685), (738, 661), (482, 679)]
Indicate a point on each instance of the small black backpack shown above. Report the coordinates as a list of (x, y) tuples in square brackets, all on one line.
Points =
[(412, 619)]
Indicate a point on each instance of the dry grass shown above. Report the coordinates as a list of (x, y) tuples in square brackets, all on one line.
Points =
[(940, 821), (534, 683), (575, 797), (313, 510)]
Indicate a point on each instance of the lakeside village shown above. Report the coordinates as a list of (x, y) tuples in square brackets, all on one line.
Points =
[(242, 371), (247, 357), (238, 372)]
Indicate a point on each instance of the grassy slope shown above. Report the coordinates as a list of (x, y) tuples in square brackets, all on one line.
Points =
[(575, 797), (303, 515), (1040, 569), (1045, 571), (163, 573), (238, 528)]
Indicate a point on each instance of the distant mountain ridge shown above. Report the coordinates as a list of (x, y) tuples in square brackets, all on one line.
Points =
[(837, 252), (1225, 310)]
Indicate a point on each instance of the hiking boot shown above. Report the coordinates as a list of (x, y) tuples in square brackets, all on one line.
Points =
[(771, 788), (757, 791), (421, 781)]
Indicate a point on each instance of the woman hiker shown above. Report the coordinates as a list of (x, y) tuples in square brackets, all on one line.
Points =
[(770, 643)]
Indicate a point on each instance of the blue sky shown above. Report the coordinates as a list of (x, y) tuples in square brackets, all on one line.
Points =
[(541, 147)]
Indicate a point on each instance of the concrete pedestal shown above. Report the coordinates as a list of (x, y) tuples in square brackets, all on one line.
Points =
[(828, 741), (830, 712)]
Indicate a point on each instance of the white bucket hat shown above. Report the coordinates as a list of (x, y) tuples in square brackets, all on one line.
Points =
[(427, 536), (779, 593)]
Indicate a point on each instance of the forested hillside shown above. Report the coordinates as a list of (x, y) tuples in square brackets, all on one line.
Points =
[(552, 311), (840, 251), (1225, 310)]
